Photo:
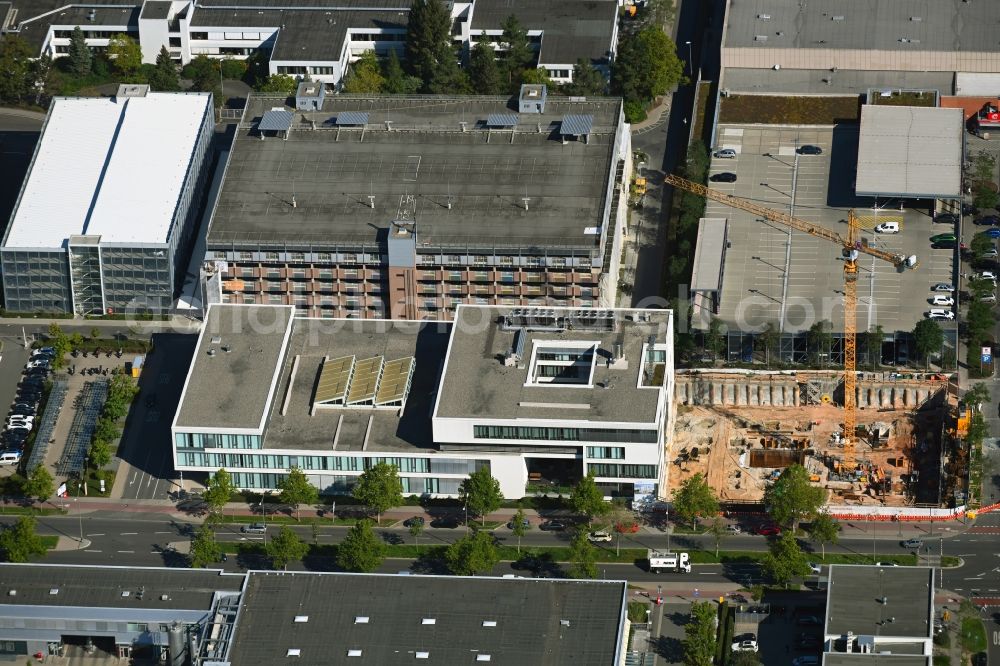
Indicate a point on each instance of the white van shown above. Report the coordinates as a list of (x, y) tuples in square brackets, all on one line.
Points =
[(10, 458), (887, 228)]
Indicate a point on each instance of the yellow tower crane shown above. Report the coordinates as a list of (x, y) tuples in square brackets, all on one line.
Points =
[(853, 246)]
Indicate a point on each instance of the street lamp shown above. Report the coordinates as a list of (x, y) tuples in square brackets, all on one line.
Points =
[(690, 63)]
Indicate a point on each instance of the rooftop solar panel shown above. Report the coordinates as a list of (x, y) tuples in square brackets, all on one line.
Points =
[(352, 118), (276, 120), (334, 379), (365, 382), (395, 382), (501, 120), (576, 125)]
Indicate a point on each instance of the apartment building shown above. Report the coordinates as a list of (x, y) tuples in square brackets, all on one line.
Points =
[(539, 396), (104, 218), (389, 207)]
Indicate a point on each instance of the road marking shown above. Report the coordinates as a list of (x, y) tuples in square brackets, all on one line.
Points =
[(97, 534), (707, 573), (126, 551), (92, 551), (171, 533), (128, 533), (974, 578)]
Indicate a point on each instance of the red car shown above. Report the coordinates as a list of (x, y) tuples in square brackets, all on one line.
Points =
[(769, 530)]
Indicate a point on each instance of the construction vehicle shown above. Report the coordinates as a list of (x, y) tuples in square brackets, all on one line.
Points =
[(660, 560), (852, 246), (639, 187)]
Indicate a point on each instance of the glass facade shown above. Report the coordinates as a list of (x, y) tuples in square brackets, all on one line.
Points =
[(606, 452), (187, 440), (36, 281), (137, 279), (617, 471), (85, 272), (564, 434)]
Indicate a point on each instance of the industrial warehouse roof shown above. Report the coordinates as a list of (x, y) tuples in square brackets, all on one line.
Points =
[(467, 182), (390, 619), (880, 601), (32, 19), (112, 587), (571, 29), (891, 657), (234, 372), (114, 167), (709, 254), (900, 25), (910, 152)]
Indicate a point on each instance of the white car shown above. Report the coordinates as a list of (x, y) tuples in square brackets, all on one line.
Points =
[(887, 228), (939, 314), (943, 286), (36, 364), (941, 299), (745, 643), (734, 529), (987, 298), (815, 568), (985, 275), (20, 418), (598, 537), (725, 153)]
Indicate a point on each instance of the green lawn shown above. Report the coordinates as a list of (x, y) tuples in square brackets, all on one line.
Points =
[(771, 109), (973, 634), (50, 540)]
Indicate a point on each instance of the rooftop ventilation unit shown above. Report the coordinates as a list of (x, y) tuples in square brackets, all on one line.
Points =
[(764, 17), (361, 619), (293, 652), (354, 653), (301, 618), (422, 655), (760, 38), (428, 620), (483, 657), (489, 623), (839, 18), (916, 18), (216, 339), (54, 591)]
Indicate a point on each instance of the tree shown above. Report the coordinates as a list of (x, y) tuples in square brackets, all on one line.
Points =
[(744, 658), (40, 484), (588, 499), (100, 453), (204, 74), (430, 54), (20, 542), (18, 75), (484, 74), (296, 489), (475, 553), (361, 550), (767, 340), (79, 57), (95, 333), (823, 530), (397, 81), (978, 394), (519, 526), (481, 493), (873, 344), (695, 499), (980, 245), (536, 76), (784, 560), (379, 487), (205, 550), (646, 65), (364, 75), (587, 80), (699, 635), (416, 527), (278, 83), (928, 338), (164, 75), (125, 54), (218, 491), (819, 338), (792, 498), (582, 557), (516, 53), (285, 547), (718, 530), (715, 337)]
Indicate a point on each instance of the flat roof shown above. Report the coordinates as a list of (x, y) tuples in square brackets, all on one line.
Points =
[(708, 254), (484, 175), (33, 18), (855, 594), (351, 428), (910, 151), (571, 29), (940, 25), (234, 372), (156, 9), (477, 383), (824, 82), (113, 167), (876, 659), (454, 619), (104, 586)]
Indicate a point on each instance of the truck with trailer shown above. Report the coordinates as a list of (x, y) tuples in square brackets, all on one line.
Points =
[(664, 560)]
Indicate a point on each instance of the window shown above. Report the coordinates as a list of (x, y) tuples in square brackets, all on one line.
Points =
[(606, 452), (322, 71), (480, 260), (506, 261), (246, 256), (619, 471), (427, 259), (199, 36), (291, 69), (175, 42), (298, 256), (271, 256), (564, 434), (557, 261), (324, 257), (454, 259)]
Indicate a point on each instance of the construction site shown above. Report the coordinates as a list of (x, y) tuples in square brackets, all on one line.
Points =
[(741, 429)]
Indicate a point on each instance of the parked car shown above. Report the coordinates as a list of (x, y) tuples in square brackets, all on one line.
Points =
[(985, 275), (936, 313), (815, 568), (810, 150), (552, 525), (946, 218), (724, 177), (943, 300), (445, 522), (598, 537), (807, 642), (745, 643), (943, 286), (734, 529), (524, 523), (254, 528), (992, 233), (806, 660), (725, 153), (886, 564), (941, 238), (989, 221), (887, 228), (415, 520), (969, 209), (987, 298), (808, 621), (991, 253), (41, 363), (911, 543), (769, 530)]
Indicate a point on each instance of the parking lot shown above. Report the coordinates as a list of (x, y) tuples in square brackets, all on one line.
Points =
[(773, 274)]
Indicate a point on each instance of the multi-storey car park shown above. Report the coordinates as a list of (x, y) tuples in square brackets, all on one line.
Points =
[(319, 38), (540, 396), (403, 207), (105, 215)]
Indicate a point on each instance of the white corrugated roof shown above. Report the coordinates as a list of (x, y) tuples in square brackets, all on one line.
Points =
[(910, 151), (109, 167)]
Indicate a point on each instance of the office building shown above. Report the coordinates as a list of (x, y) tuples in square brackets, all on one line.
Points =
[(540, 397), (389, 207), (106, 211)]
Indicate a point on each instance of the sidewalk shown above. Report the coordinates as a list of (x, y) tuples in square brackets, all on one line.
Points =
[(654, 116)]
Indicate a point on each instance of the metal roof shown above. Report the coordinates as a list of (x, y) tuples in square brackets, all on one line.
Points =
[(862, 598), (910, 152), (709, 254), (352, 118), (276, 120), (102, 164), (576, 125), (334, 379), (501, 120)]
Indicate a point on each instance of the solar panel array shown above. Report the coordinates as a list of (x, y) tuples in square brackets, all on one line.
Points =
[(48, 424), (576, 125), (352, 118), (88, 409), (276, 120), (346, 381), (501, 120)]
